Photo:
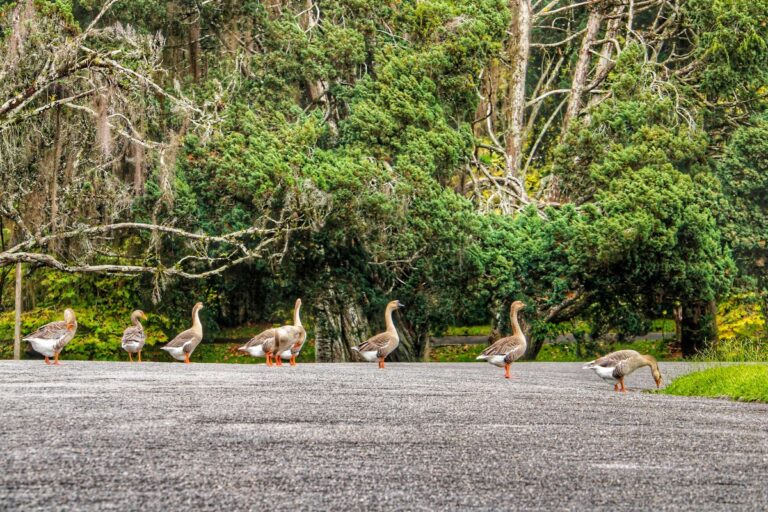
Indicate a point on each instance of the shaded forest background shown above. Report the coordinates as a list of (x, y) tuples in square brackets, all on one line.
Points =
[(604, 161)]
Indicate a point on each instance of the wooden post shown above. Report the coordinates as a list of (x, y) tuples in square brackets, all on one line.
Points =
[(17, 321)]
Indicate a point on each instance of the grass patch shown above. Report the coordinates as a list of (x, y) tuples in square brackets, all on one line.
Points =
[(746, 383), (470, 330), (456, 353), (737, 350)]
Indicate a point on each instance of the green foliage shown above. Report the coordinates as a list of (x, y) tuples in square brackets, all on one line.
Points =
[(731, 42), (746, 383), (363, 122), (743, 173)]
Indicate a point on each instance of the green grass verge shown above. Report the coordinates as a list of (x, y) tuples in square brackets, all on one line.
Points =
[(746, 383)]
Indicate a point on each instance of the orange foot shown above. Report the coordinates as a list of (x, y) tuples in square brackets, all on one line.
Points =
[(506, 371), (47, 361), (293, 359)]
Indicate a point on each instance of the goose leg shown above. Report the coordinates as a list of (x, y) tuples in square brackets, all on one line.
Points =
[(278, 360), (139, 355), (269, 359), (47, 361), (621, 381), (293, 359), (186, 358), (507, 367), (616, 387), (130, 357), (381, 362), (56, 358)]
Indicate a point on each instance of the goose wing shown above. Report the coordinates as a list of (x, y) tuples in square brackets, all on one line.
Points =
[(51, 331), (614, 358), (375, 343), (133, 334), (514, 346), (187, 339), (260, 338)]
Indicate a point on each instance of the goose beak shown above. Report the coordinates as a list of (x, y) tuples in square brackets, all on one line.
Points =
[(143, 316), (70, 326), (400, 304), (658, 382)]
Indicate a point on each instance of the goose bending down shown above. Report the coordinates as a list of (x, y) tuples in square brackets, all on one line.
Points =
[(383, 344), (617, 365), (49, 339), (288, 337), (507, 350), (134, 337), (182, 346), (274, 342)]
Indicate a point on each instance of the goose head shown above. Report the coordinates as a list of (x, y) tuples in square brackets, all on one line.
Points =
[(69, 318), (197, 307), (138, 314), (395, 304), (654, 370), (517, 305)]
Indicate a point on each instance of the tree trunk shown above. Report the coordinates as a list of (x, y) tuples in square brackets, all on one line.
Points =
[(581, 70), (194, 50), (518, 49), (605, 64), (338, 328), (488, 97), (17, 317), (138, 168), (697, 328), (54, 179)]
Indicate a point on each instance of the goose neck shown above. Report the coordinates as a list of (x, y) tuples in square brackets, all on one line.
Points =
[(296, 316), (515, 323), (388, 319)]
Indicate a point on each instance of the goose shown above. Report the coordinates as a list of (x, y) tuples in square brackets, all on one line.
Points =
[(507, 350), (51, 338), (383, 344), (134, 337), (182, 346), (293, 352), (288, 337), (264, 344), (255, 346), (613, 367)]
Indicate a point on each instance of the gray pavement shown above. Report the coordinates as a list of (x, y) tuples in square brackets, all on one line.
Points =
[(163, 436)]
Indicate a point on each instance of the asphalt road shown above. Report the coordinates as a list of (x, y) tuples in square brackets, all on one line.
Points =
[(163, 436)]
